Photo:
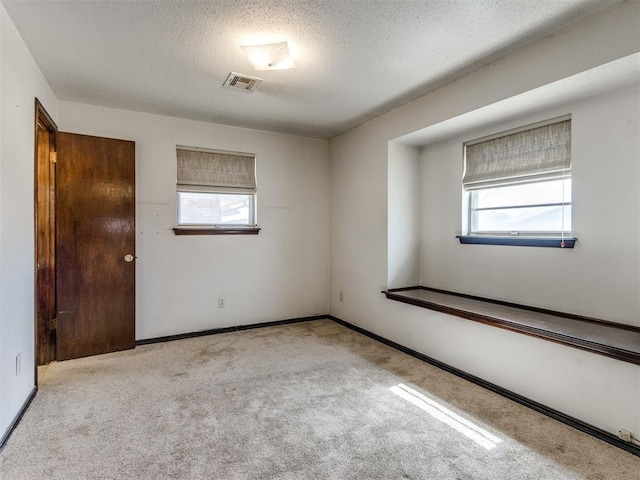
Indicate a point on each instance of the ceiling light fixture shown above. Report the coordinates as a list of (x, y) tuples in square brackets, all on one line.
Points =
[(271, 56)]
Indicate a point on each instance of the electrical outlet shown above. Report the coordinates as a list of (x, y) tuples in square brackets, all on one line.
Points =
[(341, 296), (221, 303), (18, 363), (624, 435)]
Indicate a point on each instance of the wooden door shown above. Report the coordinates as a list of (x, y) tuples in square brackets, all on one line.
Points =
[(45, 308), (95, 245)]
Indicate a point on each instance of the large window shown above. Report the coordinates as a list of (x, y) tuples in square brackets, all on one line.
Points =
[(519, 183), (215, 189)]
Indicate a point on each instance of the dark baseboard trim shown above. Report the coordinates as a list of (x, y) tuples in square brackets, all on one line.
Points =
[(538, 407), (239, 328), (17, 418)]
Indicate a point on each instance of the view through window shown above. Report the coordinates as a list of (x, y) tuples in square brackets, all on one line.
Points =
[(543, 207)]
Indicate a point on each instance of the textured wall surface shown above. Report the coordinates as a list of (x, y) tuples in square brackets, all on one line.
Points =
[(21, 82)]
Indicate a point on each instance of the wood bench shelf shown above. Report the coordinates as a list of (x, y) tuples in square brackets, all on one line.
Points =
[(615, 340)]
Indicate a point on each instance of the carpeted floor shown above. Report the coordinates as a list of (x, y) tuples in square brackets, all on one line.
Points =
[(311, 400)]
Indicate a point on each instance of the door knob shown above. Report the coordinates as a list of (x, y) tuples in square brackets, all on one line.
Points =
[(128, 258)]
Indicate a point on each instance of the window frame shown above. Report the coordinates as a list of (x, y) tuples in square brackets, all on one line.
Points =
[(250, 228), (252, 212), (469, 215), (560, 239)]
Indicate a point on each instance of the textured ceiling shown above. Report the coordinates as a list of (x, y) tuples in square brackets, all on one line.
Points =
[(356, 59)]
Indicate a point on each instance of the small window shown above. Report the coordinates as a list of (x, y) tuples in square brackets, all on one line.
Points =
[(519, 183), (540, 208), (215, 189), (215, 209)]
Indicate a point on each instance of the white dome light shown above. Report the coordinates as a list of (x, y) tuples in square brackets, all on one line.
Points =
[(272, 56)]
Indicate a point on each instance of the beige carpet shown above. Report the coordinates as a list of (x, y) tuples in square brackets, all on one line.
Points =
[(312, 400)]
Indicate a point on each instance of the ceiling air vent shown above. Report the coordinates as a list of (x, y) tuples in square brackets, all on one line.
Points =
[(242, 81)]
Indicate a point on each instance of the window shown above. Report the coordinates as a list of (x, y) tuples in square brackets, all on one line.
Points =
[(216, 190), (534, 208), (518, 184), (215, 209)]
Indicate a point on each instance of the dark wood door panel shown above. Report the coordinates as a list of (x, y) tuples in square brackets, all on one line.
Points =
[(95, 230)]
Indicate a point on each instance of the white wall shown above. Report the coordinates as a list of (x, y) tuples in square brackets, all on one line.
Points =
[(279, 274), (404, 208), (593, 388), (20, 82)]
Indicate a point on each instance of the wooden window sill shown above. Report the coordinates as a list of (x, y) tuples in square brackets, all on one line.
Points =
[(615, 340), (216, 231), (555, 242)]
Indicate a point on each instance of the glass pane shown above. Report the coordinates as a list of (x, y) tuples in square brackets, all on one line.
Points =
[(526, 194), (526, 219), (214, 209)]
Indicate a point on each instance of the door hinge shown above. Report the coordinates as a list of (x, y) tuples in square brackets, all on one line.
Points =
[(53, 324), (53, 156)]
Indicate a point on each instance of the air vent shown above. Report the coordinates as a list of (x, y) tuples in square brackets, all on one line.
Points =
[(242, 82)]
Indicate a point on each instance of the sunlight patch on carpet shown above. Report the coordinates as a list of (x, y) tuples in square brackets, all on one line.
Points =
[(468, 429)]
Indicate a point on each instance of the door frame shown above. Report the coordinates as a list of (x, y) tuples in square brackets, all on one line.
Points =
[(43, 118)]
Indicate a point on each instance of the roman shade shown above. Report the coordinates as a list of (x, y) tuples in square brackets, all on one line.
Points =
[(541, 153), (220, 172)]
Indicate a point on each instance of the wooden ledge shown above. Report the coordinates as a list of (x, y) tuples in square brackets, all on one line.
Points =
[(216, 231), (615, 340), (515, 241)]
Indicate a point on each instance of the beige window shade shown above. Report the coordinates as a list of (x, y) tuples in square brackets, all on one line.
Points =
[(205, 171), (532, 155)]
